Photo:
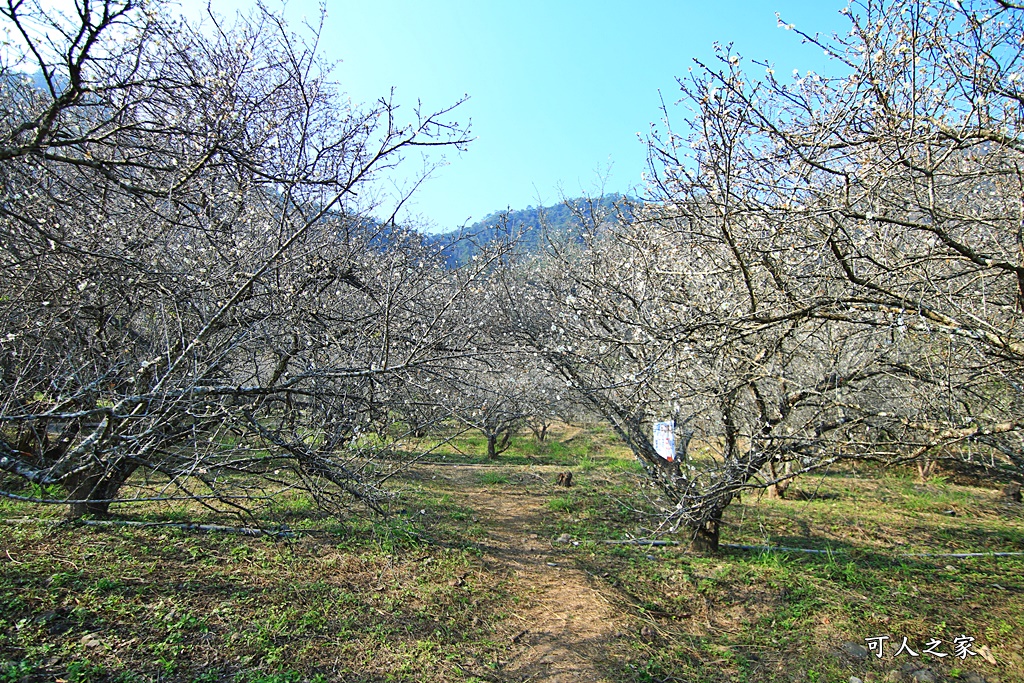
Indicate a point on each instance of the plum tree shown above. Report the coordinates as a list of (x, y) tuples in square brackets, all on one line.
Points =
[(193, 296)]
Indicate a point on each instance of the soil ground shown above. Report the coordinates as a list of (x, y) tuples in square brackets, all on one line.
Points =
[(568, 631)]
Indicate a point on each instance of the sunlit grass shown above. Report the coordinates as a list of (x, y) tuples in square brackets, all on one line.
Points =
[(411, 591)]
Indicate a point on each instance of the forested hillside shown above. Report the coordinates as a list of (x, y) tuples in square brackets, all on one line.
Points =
[(529, 227)]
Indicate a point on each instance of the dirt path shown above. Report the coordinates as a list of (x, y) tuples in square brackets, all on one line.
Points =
[(568, 630)]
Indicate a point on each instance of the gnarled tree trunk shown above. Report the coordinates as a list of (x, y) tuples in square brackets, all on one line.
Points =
[(705, 536), (92, 491)]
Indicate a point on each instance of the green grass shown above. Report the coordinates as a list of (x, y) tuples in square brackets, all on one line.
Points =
[(493, 478), (771, 615), (562, 504), (416, 596), (262, 611)]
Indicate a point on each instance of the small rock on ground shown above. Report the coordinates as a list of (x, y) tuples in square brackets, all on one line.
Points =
[(855, 650), (91, 640)]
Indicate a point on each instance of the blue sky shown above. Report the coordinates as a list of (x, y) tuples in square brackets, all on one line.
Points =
[(558, 89)]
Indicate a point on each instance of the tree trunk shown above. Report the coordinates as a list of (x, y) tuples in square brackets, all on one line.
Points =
[(93, 490), (926, 467), (705, 537), (540, 431), (778, 490), (492, 446), (96, 509), (670, 470)]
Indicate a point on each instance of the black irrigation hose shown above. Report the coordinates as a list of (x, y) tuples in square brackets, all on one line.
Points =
[(251, 531), (245, 531), (786, 549)]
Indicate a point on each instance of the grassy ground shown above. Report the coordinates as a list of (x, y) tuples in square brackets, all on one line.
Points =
[(773, 615), (421, 595)]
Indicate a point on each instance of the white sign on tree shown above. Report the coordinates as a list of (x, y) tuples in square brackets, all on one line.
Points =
[(665, 439)]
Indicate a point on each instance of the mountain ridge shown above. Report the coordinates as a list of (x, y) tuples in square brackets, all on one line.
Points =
[(527, 226)]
